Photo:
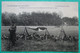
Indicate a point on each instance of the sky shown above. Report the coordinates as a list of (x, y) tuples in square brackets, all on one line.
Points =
[(68, 9)]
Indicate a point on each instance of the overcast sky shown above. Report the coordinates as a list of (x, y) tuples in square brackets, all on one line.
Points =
[(68, 9)]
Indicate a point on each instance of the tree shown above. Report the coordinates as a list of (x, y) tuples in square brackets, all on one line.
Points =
[(71, 21)]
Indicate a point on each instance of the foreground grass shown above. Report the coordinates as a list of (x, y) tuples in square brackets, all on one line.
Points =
[(43, 45)]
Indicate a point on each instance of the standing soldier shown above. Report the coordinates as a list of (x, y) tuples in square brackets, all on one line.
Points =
[(12, 31)]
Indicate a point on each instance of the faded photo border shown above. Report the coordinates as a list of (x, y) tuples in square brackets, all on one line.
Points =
[(41, 1)]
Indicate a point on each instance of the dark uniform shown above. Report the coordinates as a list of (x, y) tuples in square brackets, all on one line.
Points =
[(12, 31)]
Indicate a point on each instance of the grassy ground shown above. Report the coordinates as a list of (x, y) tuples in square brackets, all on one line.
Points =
[(43, 45)]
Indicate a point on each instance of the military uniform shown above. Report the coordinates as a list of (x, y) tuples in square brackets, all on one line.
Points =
[(12, 37)]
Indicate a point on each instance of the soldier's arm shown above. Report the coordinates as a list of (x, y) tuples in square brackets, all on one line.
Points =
[(9, 28)]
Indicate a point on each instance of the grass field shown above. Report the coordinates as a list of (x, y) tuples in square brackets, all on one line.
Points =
[(43, 45)]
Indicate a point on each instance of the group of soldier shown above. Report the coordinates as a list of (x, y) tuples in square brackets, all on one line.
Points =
[(12, 36)]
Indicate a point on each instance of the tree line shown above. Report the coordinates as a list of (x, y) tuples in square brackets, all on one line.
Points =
[(37, 19)]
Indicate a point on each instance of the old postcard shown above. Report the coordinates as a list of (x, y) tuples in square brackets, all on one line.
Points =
[(39, 26)]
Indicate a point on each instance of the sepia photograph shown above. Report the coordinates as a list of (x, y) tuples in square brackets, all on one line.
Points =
[(39, 26)]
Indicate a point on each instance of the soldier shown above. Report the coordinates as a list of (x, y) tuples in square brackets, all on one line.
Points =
[(12, 31)]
